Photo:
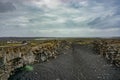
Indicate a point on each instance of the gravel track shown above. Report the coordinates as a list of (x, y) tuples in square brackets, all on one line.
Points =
[(80, 63)]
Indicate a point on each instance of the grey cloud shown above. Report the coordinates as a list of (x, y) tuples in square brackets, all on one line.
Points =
[(7, 6), (95, 21), (107, 22)]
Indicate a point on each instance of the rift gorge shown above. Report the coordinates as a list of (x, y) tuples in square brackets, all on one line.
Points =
[(60, 59)]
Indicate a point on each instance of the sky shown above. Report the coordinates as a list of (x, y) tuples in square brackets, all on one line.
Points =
[(59, 18)]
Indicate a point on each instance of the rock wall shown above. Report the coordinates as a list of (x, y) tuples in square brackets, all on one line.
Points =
[(17, 56), (110, 49)]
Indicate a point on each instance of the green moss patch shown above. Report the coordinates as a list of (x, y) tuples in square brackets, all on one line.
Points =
[(28, 68)]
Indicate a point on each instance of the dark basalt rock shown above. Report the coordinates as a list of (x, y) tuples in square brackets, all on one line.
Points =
[(109, 49), (16, 57)]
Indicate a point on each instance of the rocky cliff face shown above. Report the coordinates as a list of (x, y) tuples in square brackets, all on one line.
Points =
[(17, 56)]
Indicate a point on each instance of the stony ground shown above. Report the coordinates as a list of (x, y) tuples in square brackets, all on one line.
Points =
[(80, 63)]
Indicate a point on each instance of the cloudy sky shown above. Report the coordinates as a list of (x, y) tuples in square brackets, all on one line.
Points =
[(59, 18)]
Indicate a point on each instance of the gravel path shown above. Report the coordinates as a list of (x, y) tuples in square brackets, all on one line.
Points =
[(78, 64)]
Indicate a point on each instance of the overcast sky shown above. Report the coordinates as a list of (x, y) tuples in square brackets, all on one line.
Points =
[(59, 18)]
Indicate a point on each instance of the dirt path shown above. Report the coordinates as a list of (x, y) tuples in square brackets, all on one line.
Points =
[(79, 64)]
